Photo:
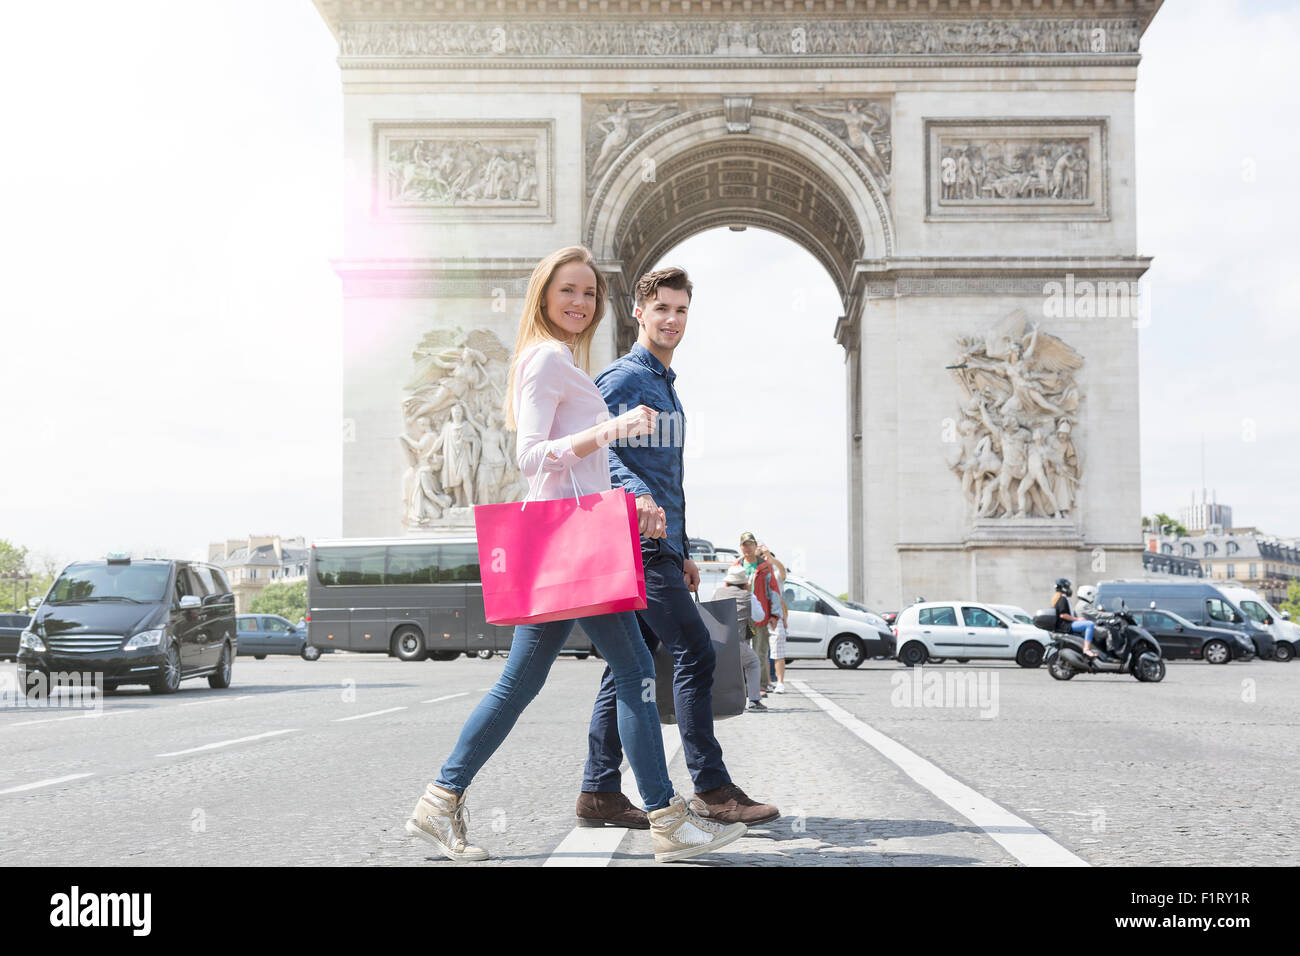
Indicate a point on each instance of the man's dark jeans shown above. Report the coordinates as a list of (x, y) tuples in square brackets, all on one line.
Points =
[(671, 617)]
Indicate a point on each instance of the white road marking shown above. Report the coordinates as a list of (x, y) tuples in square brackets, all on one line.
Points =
[(448, 697), (46, 783), (591, 846), (55, 720), (373, 713), (1026, 843), (227, 743)]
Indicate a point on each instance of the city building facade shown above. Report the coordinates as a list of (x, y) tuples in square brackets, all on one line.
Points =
[(254, 562)]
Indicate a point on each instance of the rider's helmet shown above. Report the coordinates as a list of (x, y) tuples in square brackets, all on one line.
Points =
[(1087, 594), (1063, 585)]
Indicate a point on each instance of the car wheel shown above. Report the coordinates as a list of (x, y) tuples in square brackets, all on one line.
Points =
[(443, 655), (259, 657), (581, 656), (847, 652), (1283, 652), (310, 652), (962, 660), (1030, 654), (1059, 669), (1216, 652), (221, 679), (913, 653), (484, 654), (408, 645), (170, 680)]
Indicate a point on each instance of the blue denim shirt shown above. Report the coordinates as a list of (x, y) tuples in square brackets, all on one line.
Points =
[(649, 464)]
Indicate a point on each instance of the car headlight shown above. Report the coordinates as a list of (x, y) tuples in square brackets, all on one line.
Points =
[(150, 638), (30, 641)]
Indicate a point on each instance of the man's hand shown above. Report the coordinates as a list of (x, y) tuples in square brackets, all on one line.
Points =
[(650, 518), (692, 575)]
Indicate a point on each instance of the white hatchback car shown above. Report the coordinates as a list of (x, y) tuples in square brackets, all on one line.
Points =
[(965, 630), (821, 626)]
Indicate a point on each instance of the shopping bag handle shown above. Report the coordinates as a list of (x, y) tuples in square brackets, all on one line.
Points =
[(536, 483)]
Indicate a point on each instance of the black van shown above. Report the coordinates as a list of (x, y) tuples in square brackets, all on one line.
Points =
[(145, 621), (1199, 602)]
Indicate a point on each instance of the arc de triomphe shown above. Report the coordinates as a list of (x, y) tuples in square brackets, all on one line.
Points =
[(963, 169)]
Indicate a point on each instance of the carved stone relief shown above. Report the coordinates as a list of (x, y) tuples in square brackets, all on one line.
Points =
[(613, 125), (1007, 169), (863, 124), (464, 170), (457, 451), (1015, 451), (739, 38)]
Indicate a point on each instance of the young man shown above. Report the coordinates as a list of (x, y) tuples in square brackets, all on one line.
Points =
[(651, 469)]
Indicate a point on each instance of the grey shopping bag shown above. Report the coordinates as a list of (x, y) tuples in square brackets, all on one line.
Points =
[(728, 674)]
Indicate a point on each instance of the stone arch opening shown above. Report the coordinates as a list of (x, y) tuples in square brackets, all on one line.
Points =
[(783, 173)]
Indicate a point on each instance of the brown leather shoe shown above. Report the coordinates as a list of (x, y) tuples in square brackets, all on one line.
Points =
[(728, 804), (610, 809)]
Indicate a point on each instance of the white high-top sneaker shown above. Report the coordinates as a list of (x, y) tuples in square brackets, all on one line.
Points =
[(678, 833), (439, 817)]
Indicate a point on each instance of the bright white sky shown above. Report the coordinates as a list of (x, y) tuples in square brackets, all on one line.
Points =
[(171, 188)]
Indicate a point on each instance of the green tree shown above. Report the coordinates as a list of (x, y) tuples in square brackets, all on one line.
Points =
[(38, 571), (287, 599), (1292, 603), (1173, 527)]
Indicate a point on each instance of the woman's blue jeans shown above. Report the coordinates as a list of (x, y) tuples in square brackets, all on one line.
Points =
[(1085, 628), (535, 647)]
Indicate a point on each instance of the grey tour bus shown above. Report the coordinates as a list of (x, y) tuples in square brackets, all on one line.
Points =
[(412, 598)]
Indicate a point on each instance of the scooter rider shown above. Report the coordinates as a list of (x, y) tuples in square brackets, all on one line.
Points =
[(1065, 621)]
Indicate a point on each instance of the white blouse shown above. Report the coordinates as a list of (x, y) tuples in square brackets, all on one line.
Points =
[(554, 399)]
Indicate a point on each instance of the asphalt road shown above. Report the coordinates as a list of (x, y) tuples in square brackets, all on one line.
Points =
[(320, 763)]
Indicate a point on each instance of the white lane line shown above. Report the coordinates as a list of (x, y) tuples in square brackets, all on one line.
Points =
[(227, 743), (373, 713), (448, 697), (55, 720), (589, 846), (1025, 842), (46, 783)]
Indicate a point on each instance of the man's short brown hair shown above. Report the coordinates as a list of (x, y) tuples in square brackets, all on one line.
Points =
[(648, 286)]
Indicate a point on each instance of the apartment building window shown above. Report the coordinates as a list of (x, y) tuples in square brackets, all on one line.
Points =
[(1253, 569), (1232, 571)]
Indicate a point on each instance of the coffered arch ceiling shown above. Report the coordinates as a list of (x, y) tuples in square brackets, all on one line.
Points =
[(783, 175)]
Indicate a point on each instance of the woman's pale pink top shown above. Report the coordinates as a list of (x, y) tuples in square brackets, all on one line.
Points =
[(553, 400)]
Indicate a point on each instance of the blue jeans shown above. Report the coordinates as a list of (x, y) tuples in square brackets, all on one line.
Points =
[(1085, 628), (535, 647), (671, 617)]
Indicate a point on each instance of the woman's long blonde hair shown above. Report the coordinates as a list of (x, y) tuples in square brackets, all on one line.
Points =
[(533, 324)]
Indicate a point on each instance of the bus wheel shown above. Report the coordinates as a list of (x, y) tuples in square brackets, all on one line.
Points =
[(408, 644)]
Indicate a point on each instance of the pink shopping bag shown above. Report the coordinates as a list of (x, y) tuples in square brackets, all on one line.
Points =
[(560, 558)]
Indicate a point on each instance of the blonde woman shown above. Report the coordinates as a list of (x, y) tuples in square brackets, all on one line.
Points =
[(563, 429)]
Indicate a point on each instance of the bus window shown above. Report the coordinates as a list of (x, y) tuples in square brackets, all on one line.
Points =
[(458, 562), (350, 565), (411, 565)]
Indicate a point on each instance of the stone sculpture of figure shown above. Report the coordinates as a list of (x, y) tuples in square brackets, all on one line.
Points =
[(1015, 464), (1026, 396), (424, 498), (1035, 479), (618, 130), (860, 124), (468, 368), (460, 446), (1061, 476), (494, 459)]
